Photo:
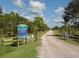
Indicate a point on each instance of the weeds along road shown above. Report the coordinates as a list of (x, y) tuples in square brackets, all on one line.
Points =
[(52, 47)]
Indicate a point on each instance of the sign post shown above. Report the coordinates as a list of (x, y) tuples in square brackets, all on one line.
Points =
[(22, 32)]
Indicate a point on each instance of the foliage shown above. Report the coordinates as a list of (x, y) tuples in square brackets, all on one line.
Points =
[(0, 10), (71, 15), (39, 24), (59, 34), (22, 51), (9, 22)]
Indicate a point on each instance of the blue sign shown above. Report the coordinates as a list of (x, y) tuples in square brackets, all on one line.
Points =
[(22, 31)]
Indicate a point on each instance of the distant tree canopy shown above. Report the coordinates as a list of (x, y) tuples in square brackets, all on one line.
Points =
[(71, 11), (39, 23), (9, 22), (0, 10), (73, 8), (71, 15)]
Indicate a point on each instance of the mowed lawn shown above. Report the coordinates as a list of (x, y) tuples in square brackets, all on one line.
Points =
[(23, 51)]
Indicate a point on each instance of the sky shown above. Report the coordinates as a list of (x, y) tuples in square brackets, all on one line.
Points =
[(50, 10)]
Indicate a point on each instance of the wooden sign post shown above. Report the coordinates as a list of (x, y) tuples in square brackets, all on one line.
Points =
[(17, 42)]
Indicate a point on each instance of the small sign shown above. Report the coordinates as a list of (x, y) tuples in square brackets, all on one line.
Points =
[(22, 31)]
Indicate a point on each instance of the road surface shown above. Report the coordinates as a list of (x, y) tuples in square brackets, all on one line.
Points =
[(52, 47)]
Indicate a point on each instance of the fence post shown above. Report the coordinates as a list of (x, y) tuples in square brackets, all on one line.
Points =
[(25, 41), (17, 42), (2, 42)]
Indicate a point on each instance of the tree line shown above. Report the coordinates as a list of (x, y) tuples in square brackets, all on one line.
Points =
[(71, 17), (9, 22)]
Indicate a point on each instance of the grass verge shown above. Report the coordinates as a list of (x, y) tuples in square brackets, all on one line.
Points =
[(23, 51), (59, 34)]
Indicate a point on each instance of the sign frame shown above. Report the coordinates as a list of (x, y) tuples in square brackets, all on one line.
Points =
[(22, 31)]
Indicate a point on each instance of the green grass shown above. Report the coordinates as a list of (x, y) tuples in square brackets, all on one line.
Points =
[(23, 51), (59, 34), (5, 49)]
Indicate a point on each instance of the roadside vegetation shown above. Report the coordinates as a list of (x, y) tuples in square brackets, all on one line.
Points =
[(8, 31), (70, 30), (23, 51), (60, 34)]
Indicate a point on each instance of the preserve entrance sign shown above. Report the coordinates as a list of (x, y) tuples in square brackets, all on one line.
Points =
[(22, 31)]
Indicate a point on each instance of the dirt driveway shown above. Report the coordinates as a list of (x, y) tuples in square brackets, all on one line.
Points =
[(52, 47)]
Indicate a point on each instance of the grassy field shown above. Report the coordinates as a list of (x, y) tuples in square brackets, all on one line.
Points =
[(23, 51), (59, 34)]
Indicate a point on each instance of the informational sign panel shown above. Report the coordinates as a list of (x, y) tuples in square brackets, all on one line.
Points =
[(22, 31)]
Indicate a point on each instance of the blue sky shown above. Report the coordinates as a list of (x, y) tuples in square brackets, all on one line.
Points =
[(50, 10)]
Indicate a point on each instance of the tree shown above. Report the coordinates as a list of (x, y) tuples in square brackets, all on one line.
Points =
[(66, 20), (71, 13), (39, 23), (9, 22), (0, 10), (72, 10)]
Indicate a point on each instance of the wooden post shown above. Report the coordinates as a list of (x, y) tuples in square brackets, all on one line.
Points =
[(2, 42), (25, 41), (17, 42), (36, 35)]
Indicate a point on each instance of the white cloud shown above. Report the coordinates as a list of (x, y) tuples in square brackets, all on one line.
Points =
[(20, 12), (59, 10), (58, 19), (31, 18), (15, 11), (28, 17), (37, 7), (18, 3), (4, 10)]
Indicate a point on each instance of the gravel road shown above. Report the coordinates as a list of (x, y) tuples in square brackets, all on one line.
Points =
[(52, 47)]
